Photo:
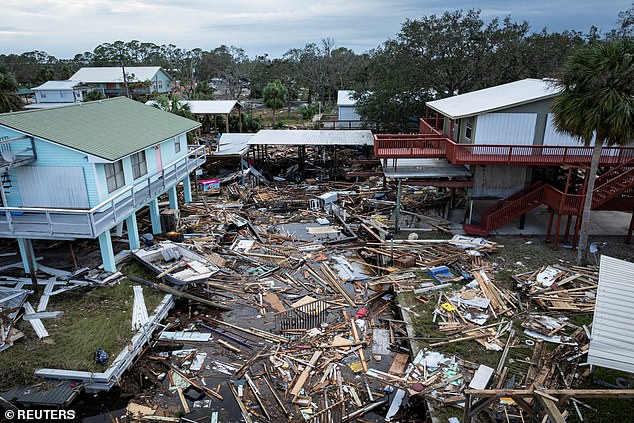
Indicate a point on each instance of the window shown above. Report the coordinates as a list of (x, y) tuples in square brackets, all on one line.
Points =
[(177, 145), (114, 175), (139, 166), (43, 94), (469, 129), (160, 84)]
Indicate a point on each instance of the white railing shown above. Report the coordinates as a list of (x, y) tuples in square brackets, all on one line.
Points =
[(37, 222)]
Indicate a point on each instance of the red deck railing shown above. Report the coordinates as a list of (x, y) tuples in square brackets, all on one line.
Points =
[(614, 190), (431, 143)]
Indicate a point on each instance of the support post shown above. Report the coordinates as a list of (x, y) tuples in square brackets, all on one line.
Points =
[(133, 232), (550, 224), (567, 233), (171, 193), (107, 253), (628, 240), (397, 216), (28, 255), (187, 189), (522, 222), (557, 230), (155, 216)]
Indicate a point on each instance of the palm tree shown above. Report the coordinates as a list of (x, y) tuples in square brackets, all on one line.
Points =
[(596, 99), (9, 99), (45, 73), (173, 105), (274, 97)]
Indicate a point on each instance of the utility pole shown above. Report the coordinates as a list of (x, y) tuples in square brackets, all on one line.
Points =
[(125, 80)]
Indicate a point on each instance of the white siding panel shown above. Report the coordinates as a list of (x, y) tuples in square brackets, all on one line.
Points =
[(612, 344), (56, 187), (552, 137), (505, 128)]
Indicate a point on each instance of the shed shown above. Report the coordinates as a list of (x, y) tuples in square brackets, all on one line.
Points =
[(612, 344), (202, 108)]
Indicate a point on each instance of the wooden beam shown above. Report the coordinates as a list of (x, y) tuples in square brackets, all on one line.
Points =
[(301, 380), (551, 408)]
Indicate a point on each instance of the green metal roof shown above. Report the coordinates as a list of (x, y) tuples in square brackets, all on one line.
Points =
[(110, 129)]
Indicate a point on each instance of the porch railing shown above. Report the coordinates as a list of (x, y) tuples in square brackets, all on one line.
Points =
[(431, 143), (37, 222)]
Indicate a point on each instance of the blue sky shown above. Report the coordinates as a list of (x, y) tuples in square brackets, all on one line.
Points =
[(65, 27)]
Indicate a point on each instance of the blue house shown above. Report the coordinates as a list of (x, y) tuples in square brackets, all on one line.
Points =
[(80, 170), (141, 79), (62, 92), (348, 117)]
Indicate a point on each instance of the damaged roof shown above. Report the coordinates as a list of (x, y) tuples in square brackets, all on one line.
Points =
[(311, 137), (110, 129)]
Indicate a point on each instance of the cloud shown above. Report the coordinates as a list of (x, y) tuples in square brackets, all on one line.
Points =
[(66, 27)]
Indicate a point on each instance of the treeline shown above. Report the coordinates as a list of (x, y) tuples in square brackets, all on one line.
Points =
[(431, 57)]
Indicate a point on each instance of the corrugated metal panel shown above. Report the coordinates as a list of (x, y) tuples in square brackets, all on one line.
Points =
[(115, 74), (110, 129), (612, 343), (506, 128), (233, 144), (494, 98), (308, 137), (58, 85), (56, 187), (552, 137), (344, 98)]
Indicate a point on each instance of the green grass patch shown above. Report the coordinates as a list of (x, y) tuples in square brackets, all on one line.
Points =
[(94, 317), (469, 350)]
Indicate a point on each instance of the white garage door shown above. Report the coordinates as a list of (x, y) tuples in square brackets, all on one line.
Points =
[(55, 187)]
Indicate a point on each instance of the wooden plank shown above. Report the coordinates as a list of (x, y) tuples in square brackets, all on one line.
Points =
[(272, 299), (399, 364), (181, 397), (301, 380), (551, 408)]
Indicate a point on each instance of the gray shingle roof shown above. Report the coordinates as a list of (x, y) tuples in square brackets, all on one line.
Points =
[(110, 129)]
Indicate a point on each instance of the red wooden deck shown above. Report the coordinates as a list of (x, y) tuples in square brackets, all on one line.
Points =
[(431, 143)]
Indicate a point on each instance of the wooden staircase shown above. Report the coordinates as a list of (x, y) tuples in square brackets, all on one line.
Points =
[(614, 190)]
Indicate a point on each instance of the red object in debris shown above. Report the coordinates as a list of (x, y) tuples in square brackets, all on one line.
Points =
[(418, 387), (361, 313)]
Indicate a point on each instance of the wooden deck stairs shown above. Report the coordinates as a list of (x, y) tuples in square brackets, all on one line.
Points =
[(614, 190)]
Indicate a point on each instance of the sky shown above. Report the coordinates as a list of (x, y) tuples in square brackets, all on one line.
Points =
[(63, 28)]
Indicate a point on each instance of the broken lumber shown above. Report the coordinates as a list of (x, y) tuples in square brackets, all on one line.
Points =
[(176, 292)]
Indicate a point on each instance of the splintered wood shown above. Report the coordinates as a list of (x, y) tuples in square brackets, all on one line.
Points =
[(557, 288)]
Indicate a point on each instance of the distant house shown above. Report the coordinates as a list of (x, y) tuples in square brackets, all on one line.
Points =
[(63, 91), (141, 79), (80, 170), (348, 116)]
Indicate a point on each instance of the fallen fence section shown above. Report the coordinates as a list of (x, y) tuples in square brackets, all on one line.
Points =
[(96, 382)]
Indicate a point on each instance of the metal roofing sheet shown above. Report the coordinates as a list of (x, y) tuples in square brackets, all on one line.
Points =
[(206, 107), (494, 98), (211, 107), (115, 74), (53, 394), (232, 144), (58, 85), (612, 344), (310, 137), (424, 169), (344, 98), (110, 129)]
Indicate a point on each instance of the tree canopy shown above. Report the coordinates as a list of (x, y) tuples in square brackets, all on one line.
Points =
[(597, 99), (274, 95), (10, 101)]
